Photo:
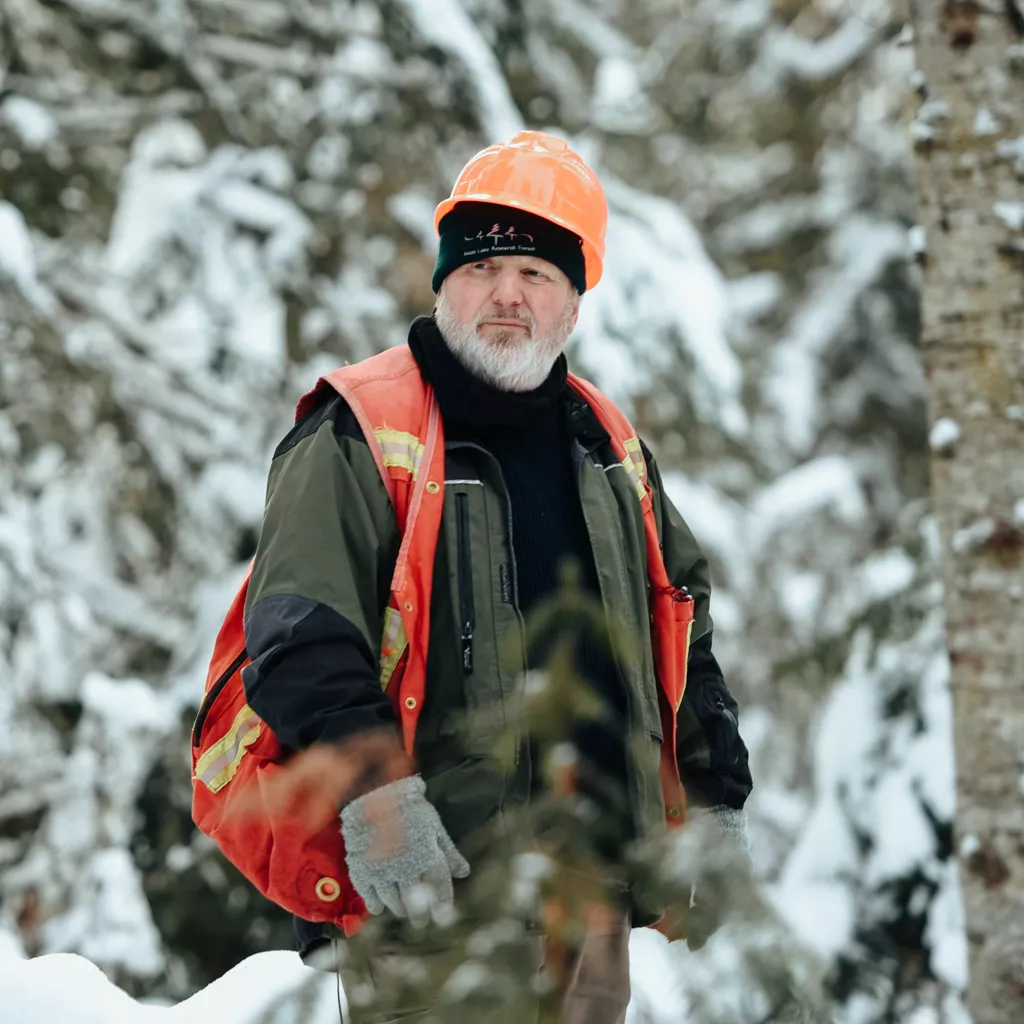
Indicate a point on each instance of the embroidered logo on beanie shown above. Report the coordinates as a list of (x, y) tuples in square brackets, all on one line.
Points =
[(507, 241)]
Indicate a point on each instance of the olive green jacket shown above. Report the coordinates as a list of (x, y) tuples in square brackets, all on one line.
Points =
[(320, 584)]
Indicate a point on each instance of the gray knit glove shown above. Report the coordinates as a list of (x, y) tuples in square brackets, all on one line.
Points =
[(399, 854), (733, 824), (727, 843)]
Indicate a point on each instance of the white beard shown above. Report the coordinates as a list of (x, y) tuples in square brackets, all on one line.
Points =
[(510, 360)]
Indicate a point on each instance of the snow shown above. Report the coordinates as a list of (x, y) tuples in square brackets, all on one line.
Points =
[(266, 988), (69, 988), (1018, 512), (126, 704), (119, 933), (812, 894), (814, 61), (821, 913), (653, 251), (887, 574), (619, 103), (930, 114), (413, 208), (921, 133), (368, 58), (800, 596), (829, 482), (933, 110), (917, 239), (720, 523), (1012, 150), (255, 207), (973, 536), (930, 757), (17, 255), (904, 836), (865, 248), (616, 82), (156, 194), (227, 488), (945, 933), (944, 434), (985, 122), (446, 24), (970, 844), (1011, 214), (35, 125), (651, 962), (754, 295)]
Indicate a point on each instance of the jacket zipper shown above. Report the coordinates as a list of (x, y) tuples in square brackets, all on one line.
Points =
[(519, 616), (515, 578), (466, 608), (211, 696)]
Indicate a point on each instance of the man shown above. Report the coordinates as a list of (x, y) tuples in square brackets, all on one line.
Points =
[(531, 488)]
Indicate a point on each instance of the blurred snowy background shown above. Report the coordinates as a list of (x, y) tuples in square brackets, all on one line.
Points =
[(206, 203)]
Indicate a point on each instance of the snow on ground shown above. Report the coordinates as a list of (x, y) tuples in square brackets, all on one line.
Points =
[(70, 989), (268, 988)]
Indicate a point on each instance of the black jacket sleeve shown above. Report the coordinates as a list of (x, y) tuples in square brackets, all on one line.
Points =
[(320, 584), (713, 760)]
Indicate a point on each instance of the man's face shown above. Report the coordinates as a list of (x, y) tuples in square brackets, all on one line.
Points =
[(507, 318)]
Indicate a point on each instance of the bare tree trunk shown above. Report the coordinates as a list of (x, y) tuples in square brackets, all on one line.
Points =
[(969, 134)]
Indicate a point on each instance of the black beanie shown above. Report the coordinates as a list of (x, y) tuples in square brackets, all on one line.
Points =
[(474, 231)]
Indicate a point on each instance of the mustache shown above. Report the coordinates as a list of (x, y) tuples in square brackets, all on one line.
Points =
[(500, 314)]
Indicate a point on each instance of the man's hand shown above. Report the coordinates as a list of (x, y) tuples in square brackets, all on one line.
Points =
[(310, 786), (399, 854), (725, 847)]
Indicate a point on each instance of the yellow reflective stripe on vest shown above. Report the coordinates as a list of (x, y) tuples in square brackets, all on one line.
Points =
[(217, 767), (635, 465), (400, 450), (392, 645)]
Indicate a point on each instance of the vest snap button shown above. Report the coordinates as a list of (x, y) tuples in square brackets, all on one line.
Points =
[(408, 606), (410, 703), (433, 486), (675, 812), (328, 889)]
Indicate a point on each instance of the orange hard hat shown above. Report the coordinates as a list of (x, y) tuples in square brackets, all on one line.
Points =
[(539, 173)]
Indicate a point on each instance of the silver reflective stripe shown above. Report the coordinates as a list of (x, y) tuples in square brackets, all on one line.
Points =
[(635, 465), (400, 449), (217, 767)]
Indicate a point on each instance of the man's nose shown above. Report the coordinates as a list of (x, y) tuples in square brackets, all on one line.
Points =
[(508, 288)]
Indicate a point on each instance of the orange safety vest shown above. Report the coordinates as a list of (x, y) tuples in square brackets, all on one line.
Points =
[(232, 748)]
